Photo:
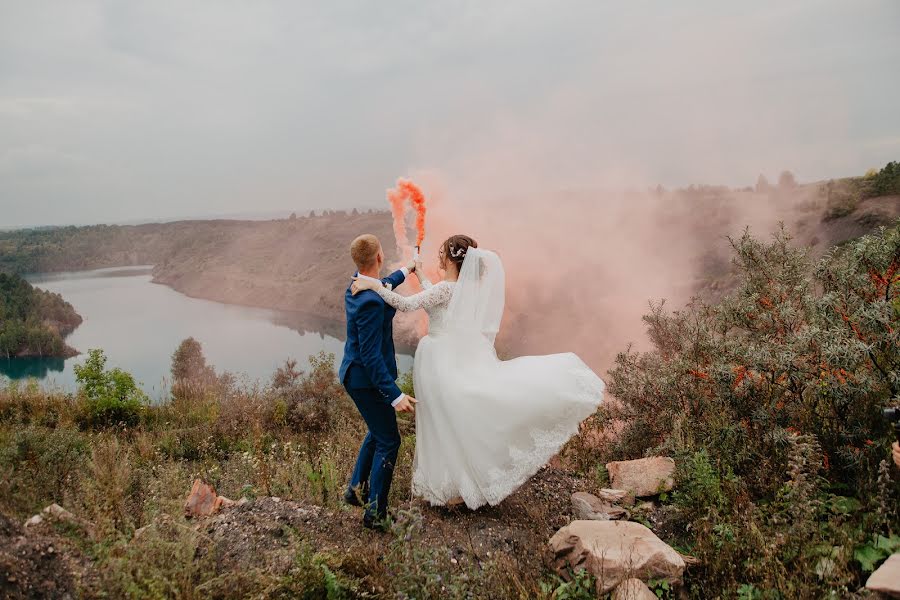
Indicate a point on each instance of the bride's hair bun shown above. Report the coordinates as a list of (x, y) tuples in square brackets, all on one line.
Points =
[(456, 247)]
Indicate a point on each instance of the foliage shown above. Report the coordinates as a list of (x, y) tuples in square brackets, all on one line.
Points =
[(111, 397), (771, 402), (163, 562), (406, 384), (876, 550), (580, 586), (312, 578), (189, 363), (884, 182), (33, 321), (307, 401), (421, 570), (191, 376), (38, 466), (844, 195)]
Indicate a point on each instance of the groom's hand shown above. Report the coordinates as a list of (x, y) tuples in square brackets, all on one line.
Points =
[(411, 267), (407, 404)]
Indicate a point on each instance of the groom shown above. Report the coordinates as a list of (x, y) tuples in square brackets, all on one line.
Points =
[(369, 372)]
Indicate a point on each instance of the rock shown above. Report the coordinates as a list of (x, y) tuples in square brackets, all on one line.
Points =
[(633, 589), (616, 496), (35, 520), (589, 507), (613, 551), (203, 500), (643, 477), (886, 578), (690, 561), (55, 512), (60, 514)]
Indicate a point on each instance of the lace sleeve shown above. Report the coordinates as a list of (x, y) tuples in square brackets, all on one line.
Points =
[(423, 279), (434, 296)]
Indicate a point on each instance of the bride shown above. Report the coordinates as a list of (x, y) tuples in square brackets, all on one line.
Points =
[(483, 425)]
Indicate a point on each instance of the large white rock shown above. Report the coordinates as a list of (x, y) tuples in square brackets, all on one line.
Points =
[(644, 476), (633, 589), (886, 578), (613, 551)]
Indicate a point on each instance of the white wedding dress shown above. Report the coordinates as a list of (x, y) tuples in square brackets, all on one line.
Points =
[(483, 425)]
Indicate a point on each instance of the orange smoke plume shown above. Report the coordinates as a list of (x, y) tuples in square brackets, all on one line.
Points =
[(407, 191)]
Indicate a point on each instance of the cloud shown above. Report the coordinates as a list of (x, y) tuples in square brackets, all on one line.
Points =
[(210, 108)]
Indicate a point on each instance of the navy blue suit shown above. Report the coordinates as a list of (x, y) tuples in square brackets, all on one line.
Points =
[(369, 373)]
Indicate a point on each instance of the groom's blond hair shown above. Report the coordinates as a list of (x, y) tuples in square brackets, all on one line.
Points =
[(364, 250)]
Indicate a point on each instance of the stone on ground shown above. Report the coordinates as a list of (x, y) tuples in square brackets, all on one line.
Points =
[(616, 496), (56, 513), (886, 578), (31, 565), (644, 476), (633, 589), (203, 500), (591, 508), (613, 551)]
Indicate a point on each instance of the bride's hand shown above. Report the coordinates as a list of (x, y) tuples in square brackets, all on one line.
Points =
[(360, 285)]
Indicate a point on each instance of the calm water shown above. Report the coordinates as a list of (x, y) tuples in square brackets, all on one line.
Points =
[(139, 324)]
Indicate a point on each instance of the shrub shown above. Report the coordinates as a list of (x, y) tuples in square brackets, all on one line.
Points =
[(771, 401), (191, 376), (39, 466), (406, 384), (111, 397), (884, 182), (165, 561), (307, 402)]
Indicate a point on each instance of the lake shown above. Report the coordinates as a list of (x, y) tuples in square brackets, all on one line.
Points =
[(139, 324)]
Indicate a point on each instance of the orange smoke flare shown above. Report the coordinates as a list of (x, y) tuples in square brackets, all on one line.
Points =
[(407, 191)]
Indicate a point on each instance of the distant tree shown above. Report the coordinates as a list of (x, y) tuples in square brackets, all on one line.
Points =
[(355, 212), (762, 184), (293, 216), (189, 364), (886, 181), (786, 180), (312, 214)]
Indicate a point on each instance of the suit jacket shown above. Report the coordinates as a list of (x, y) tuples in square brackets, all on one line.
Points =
[(370, 361)]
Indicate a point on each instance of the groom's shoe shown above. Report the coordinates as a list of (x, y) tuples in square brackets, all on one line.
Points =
[(354, 497), (381, 524)]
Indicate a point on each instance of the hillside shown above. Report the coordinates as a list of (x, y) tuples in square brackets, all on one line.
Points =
[(33, 322), (301, 264), (298, 264)]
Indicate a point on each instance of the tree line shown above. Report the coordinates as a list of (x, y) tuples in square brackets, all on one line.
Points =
[(33, 322)]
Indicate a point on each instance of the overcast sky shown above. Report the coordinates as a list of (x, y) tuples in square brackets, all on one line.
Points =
[(114, 110)]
